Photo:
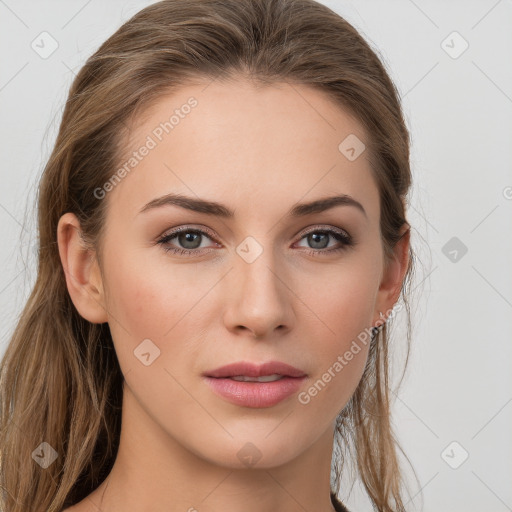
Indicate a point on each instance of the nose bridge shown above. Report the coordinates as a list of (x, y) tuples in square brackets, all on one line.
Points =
[(255, 270), (258, 277)]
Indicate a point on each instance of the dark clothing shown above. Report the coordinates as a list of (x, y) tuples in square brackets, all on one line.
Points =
[(338, 506)]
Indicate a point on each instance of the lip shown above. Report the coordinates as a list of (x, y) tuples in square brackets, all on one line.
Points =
[(254, 370), (255, 394)]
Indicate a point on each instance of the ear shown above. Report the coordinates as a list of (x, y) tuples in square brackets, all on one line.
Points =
[(83, 277), (392, 278)]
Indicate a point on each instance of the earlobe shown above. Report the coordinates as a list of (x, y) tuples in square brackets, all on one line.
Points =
[(392, 279), (83, 278)]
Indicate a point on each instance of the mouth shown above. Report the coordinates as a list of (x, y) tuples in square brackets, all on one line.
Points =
[(256, 386)]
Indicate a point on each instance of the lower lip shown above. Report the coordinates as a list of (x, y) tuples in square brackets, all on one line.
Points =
[(255, 394)]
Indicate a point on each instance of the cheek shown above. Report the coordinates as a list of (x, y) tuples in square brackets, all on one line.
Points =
[(341, 357), (343, 300), (157, 302)]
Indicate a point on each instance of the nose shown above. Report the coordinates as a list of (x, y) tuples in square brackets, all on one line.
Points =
[(259, 298)]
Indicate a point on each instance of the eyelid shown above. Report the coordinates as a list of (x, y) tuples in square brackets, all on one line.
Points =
[(320, 227), (187, 227)]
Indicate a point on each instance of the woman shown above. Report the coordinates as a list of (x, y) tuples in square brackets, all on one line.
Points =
[(223, 238)]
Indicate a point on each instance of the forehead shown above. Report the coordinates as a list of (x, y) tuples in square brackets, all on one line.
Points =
[(244, 144)]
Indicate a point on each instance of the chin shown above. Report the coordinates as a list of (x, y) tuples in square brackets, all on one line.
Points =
[(260, 451)]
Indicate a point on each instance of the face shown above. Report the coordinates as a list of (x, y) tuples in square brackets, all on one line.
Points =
[(251, 276)]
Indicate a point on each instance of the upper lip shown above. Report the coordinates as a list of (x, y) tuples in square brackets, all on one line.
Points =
[(248, 369)]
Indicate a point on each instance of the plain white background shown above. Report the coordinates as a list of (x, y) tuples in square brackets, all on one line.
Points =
[(453, 411)]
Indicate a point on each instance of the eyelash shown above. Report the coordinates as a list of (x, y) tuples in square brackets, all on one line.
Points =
[(341, 236)]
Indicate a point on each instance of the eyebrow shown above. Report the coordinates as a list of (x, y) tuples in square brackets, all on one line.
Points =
[(217, 209)]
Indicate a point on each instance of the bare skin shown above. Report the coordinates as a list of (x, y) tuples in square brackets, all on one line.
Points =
[(259, 152)]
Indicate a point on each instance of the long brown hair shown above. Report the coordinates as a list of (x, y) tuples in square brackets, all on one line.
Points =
[(60, 380)]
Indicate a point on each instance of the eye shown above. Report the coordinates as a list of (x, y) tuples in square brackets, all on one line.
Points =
[(319, 240), (190, 240)]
